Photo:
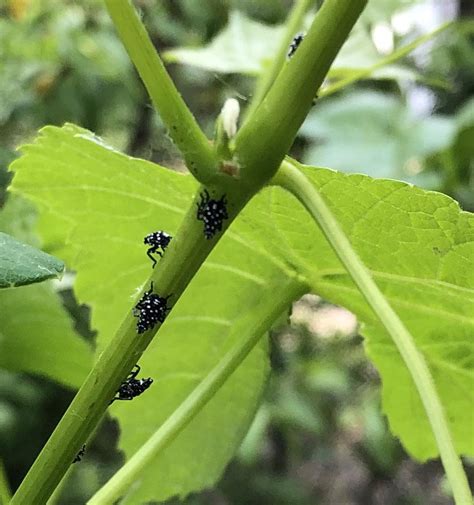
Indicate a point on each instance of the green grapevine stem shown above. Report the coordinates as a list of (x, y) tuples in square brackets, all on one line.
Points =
[(292, 26)]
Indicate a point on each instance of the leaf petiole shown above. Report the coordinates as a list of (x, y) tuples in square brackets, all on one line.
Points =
[(292, 179)]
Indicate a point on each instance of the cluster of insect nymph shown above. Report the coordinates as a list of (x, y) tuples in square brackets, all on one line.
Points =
[(153, 308), (150, 310)]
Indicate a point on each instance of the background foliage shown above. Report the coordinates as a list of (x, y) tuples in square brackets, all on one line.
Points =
[(319, 435)]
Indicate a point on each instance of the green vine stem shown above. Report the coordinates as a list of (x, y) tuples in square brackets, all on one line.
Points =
[(269, 309), (183, 128), (293, 180), (265, 81), (269, 131), (5, 493)]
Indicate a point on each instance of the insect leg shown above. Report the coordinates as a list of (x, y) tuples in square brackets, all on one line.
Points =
[(151, 250)]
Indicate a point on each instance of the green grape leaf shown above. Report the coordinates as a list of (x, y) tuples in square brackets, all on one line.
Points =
[(21, 264), (97, 205), (244, 46), (36, 334)]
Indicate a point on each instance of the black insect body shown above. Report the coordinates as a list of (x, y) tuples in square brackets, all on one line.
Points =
[(132, 387), (157, 240), (80, 454), (212, 213), (151, 309), (297, 39)]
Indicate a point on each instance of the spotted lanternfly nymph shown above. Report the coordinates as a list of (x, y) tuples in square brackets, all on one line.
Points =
[(132, 387), (297, 39), (80, 454), (212, 213), (157, 240), (151, 309)]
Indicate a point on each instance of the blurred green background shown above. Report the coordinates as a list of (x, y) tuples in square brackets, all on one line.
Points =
[(320, 436)]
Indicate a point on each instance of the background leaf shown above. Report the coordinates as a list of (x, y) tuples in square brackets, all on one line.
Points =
[(96, 207), (383, 10), (36, 334), (246, 46), (22, 264), (393, 143)]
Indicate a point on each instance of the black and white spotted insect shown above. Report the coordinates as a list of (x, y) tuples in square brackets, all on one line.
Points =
[(212, 213), (157, 240), (151, 309), (80, 454), (132, 387), (295, 43)]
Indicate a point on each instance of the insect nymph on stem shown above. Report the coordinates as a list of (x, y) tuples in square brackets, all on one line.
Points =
[(158, 242), (132, 387), (80, 454), (212, 213), (150, 310), (295, 43)]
